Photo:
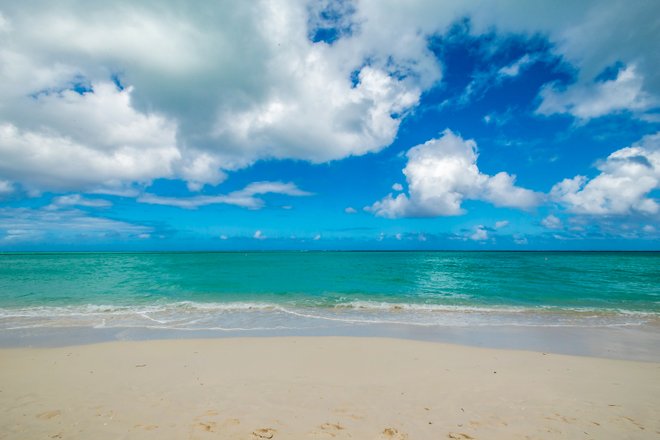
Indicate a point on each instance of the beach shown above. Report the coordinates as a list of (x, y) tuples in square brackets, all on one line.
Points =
[(321, 387), (322, 345)]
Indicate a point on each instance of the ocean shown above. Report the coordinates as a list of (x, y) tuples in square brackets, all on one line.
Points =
[(307, 292)]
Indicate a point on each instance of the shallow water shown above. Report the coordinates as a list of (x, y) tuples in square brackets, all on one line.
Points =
[(303, 290), (601, 304)]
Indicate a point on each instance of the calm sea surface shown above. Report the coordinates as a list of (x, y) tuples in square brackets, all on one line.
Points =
[(306, 290)]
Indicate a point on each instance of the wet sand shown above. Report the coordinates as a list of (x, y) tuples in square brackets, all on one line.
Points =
[(321, 388)]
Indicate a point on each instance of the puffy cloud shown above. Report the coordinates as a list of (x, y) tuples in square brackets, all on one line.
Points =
[(443, 172), (347, 121), (216, 88), (551, 222), (592, 36), (258, 235), (501, 224), (211, 89), (350, 210), (626, 179), (244, 198), (84, 141), (6, 187), (397, 187), (625, 92), (480, 234)]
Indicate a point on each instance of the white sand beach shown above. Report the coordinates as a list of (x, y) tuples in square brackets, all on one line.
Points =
[(321, 388)]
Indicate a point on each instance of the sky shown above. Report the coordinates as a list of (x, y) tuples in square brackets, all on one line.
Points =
[(293, 124)]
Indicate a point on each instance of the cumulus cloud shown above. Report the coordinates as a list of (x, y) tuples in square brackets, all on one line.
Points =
[(592, 36), (244, 198), (626, 179), (350, 210), (258, 235), (441, 174), (551, 222), (6, 187), (82, 141), (625, 92), (208, 91), (103, 95), (480, 234)]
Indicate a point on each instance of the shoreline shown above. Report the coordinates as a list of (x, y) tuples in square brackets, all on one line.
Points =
[(634, 343), (321, 387)]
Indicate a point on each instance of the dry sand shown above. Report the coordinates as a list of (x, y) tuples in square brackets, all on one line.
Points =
[(321, 388)]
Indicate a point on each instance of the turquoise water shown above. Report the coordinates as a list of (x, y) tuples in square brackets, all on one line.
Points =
[(311, 289)]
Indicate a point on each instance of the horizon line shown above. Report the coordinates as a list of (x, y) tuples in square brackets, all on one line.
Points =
[(242, 251)]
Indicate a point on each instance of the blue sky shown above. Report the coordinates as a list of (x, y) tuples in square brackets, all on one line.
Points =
[(329, 125)]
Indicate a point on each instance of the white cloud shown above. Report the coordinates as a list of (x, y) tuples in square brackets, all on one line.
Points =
[(26, 224), (72, 141), (520, 240), (317, 237), (6, 187), (551, 222), (499, 119), (443, 172), (350, 210), (501, 224), (258, 235), (77, 200), (5, 26), (244, 198), (515, 68), (480, 234), (398, 236), (223, 237), (625, 92), (397, 187), (347, 121), (592, 35), (626, 179), (214, 89), (648, 229), (209, 91)]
